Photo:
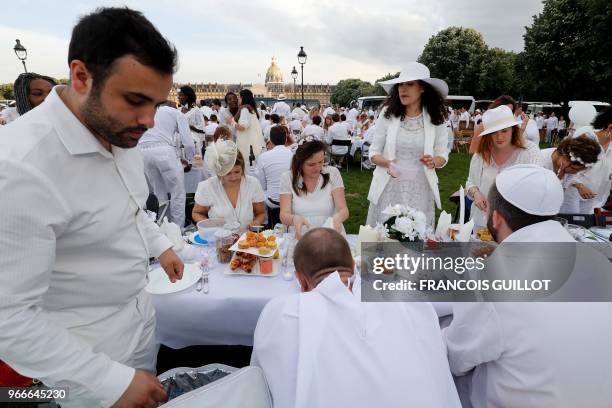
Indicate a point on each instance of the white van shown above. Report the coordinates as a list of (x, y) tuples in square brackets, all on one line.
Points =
[(367, 102)]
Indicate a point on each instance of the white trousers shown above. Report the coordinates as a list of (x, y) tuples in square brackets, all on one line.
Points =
[(165, 174)]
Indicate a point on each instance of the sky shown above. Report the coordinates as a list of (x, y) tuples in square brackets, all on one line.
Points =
[(227, 41)]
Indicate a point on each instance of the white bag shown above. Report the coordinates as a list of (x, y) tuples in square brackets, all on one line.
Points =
[(245, 387)]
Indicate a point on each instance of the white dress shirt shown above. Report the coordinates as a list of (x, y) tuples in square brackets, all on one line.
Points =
[(295, 126), (338, 131), (465, 117), (75, 246), (209, 130), (540, 122), (206, 111), (282, 109), (168, 123), (270, 166), (298, 113), (326, 348), (536, 354), (328, 112), (315, 131)]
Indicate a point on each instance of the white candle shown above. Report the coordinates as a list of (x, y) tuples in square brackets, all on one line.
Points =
[(366, 234), (461, 205)]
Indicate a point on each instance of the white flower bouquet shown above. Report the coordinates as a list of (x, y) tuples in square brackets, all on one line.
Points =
[(406, 224)]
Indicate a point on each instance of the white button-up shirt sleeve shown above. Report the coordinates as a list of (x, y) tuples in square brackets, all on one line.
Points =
[(185, 135), (30, 341), (474, 336)]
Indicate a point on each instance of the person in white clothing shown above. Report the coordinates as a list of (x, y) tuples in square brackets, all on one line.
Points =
[(270, 166), (338, 131), (30, 90), (351, 116), (326, 348), (274, 121), (500, 145), (205, 109), (74, 238), (162, 163), (551, 127), (315, 130), (311, 193), (213, 124), (216, 108), (232, 195), (295, 126), (249, 136), (226, 118), (464, 118), (187, 100), (519, 353), (281, 108), (328, 110), (298, 112)]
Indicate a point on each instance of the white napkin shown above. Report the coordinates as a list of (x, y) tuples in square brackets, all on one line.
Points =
[(444, 222), (465, 232), (173, 232)]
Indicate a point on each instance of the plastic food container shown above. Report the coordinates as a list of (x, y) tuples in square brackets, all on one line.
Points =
[(224, 239)]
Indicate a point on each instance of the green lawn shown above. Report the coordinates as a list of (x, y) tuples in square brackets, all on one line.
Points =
[(357, 184)]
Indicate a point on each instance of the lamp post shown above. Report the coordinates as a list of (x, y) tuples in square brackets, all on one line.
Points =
[(302, 60), (294, 75), (21, 53)]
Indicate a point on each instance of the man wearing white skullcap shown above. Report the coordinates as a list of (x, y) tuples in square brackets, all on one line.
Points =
[(537, 354)]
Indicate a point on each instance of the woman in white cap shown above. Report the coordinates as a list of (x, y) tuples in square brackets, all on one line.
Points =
[(232, 195), (500, 146), (410, 142)]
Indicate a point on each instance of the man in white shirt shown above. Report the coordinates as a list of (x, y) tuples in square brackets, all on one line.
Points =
[(281, 108), (74, 238), (298, 112), (326, 348), (205, 109), (162, 163), (464, 117), (274, 121), (351, 116), (525, 353), (216, 108), (315, 130), (328, 111), (270, 166), (295, 127), (551, 127), (213, 124), (338, 131)]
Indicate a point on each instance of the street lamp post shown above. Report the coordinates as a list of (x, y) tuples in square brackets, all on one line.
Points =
[(294, 75), (21, 53), (302, 60)]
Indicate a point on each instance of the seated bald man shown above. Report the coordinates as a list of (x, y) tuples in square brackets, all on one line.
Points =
[(325, 348)]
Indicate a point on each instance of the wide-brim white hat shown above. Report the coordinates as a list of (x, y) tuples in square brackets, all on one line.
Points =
[(531, 188), (221, 156), (281, 97), (415, 71), (497, 119)]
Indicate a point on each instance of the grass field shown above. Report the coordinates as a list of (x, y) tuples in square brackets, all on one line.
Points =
[(357, 185)]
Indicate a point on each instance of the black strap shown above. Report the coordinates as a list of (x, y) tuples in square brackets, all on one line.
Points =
[(273, 202)]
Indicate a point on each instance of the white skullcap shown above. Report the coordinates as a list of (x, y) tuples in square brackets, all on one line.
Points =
[(221, 156), (531, 188)]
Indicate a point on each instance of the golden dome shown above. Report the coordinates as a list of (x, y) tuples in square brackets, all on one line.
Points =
[(274, 74)]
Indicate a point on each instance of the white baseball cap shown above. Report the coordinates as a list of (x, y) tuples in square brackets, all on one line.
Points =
[(531, 188)]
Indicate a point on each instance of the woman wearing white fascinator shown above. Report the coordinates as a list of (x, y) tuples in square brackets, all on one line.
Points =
[(231, 195)]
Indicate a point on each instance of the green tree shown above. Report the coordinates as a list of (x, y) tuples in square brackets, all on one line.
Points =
[(567, 50), (456, 55), (6, 91), (497, 74), (378, 89), (348, 90)]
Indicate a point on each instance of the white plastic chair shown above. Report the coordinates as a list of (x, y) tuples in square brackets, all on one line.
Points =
[(245, 387)]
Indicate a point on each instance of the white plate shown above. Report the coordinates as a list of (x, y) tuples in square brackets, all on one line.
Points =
[(255, 251), (192, 237), (276, 269), (159, 283)]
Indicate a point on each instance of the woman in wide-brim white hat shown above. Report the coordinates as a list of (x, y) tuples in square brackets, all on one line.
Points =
[(409, 143), (501, 145)]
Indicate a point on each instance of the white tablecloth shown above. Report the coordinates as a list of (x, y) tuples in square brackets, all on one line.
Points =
[(227, 315)]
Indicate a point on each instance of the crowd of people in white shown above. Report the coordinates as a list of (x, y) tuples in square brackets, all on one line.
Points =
[(72, 306)]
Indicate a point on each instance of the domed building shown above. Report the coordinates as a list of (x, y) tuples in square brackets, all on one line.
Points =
[(268, 92), (274, 79)]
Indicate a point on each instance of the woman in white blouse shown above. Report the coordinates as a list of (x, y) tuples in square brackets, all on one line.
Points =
[(248, 128), (410, 142), (310, 192), (501, 145), (232, 195)]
